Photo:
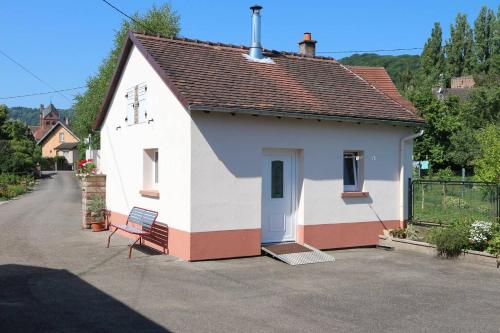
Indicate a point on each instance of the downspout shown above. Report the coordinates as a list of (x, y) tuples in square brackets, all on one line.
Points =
[(401, 176)]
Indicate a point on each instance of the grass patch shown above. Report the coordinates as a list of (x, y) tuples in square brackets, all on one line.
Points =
[(449, 203)]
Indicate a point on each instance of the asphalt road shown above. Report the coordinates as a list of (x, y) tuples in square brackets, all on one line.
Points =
[(55, 277)]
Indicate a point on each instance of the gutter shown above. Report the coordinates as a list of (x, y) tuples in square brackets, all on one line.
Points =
[(401, 175), (306, 116)]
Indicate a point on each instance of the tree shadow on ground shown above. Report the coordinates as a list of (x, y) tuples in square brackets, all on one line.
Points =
[(37, 299)]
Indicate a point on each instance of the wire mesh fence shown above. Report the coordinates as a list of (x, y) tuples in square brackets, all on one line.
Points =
[(444, 202)]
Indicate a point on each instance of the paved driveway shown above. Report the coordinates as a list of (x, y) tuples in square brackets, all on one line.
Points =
[(54, 277)]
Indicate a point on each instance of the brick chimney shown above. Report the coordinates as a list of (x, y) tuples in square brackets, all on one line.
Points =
[(307, 46)]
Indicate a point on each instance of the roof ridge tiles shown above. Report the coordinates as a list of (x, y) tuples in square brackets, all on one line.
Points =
[(199, 42)]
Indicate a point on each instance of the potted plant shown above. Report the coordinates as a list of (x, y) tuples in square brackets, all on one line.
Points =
[(86, 168), (97, 211)]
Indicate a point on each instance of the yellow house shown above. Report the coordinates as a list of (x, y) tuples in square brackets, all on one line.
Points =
[(59, 141)]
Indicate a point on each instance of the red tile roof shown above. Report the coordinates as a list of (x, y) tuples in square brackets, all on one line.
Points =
[(380, 79), (38, 132), (217, 77)]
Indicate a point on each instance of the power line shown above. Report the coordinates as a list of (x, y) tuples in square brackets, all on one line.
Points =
[(43, 93), (31, 73), (369, 51), (129, 17)]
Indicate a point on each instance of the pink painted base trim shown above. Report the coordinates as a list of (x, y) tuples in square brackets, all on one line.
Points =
[(225, 244), (342, 235), (194, 246)]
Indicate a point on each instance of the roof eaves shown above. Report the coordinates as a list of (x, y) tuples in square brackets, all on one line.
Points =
[(316, 116)]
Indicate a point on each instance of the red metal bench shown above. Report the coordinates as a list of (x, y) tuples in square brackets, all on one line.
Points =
[(145, 219)]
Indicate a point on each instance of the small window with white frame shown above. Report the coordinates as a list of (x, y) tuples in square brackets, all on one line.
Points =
[(352, 171), (61, 137)]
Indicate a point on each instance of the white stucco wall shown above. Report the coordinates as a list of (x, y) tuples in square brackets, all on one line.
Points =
[(122, 149), (226, 169)]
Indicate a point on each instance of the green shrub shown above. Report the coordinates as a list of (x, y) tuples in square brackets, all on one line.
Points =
[(494, 245), (451, 241), (12, 185), (444, 174), (412, 233), (398, 233)]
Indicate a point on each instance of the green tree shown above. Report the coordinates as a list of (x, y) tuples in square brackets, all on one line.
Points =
[(484, 28), (443, 119), (17, 145), (483, 107), (459, 48), (162, 20), (495, 46), (4, 113), (432, 58), (487, 166), (463, 147)]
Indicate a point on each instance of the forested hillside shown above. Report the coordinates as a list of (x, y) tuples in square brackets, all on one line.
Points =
[(30, 116), (401, 68), (459, 133)]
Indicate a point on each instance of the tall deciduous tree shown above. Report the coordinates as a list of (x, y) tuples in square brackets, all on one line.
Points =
[(459, 48), (432, 58), (162, 20), (488, 165), (495, 46), (484, 28)]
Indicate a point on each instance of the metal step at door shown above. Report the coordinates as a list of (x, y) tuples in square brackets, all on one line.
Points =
[(296, 254)]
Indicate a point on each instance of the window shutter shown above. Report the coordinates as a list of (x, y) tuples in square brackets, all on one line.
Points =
[(130, 106), (143, 111)]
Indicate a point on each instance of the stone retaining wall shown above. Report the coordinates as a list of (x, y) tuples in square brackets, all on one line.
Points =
[(91, 185)]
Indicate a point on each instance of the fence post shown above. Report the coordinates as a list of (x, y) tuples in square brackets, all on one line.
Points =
[(410, 199)]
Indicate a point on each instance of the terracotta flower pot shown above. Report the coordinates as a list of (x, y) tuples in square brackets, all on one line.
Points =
[(97, 226)]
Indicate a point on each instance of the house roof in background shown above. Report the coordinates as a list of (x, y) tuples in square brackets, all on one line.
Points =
[(52, 129), (67, 146), (218, 77)]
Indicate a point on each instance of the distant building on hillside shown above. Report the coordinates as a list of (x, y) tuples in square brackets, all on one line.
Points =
[(461, 87), (54, 135), (48, 117), (462, 82)]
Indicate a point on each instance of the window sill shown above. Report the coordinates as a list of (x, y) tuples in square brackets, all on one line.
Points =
[(150, 193), (355, 194)]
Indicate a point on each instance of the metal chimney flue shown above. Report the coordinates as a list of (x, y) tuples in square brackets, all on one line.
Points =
[(256, 47)]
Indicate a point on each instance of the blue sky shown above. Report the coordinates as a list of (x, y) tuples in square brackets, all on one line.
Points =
[(63, 42)]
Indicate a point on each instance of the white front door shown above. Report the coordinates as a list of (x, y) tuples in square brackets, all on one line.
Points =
[(278, 173)]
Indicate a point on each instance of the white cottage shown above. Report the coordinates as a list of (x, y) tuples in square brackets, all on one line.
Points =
[(236, 146)]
